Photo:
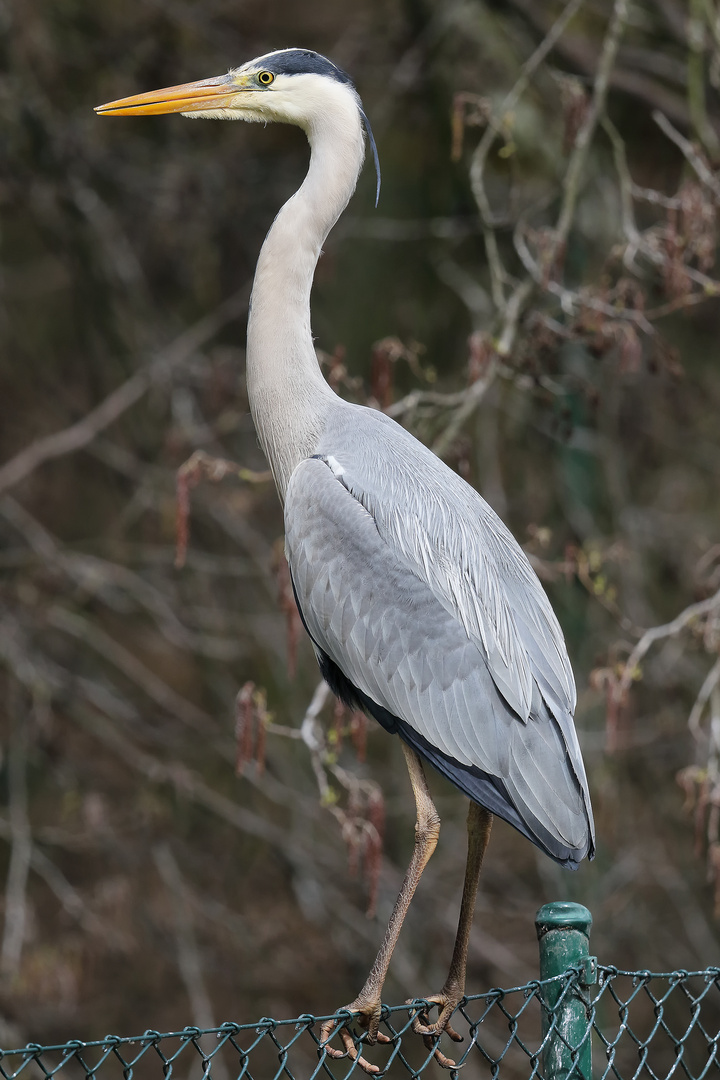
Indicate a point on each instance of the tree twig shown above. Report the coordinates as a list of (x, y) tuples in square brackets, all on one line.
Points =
[(186, 782), (706, 691), (473, 397), (100, 576), (696, 29), (581, 146), (21, 841), (188, 953), (657, 633), (691, 155), (71, 900), (498, 274), (156, 689), (120, 400)]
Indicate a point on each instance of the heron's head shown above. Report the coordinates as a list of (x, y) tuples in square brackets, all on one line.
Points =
[(291, 86)]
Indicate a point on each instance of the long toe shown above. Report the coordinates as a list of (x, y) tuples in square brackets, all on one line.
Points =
[(367, 1016), (431, 1032)]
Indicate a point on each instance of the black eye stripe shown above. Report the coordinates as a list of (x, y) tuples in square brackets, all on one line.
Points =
[(303, 62)]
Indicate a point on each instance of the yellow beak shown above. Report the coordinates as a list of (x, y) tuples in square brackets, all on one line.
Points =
[(213, 93)]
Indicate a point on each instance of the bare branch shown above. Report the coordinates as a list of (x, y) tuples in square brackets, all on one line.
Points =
[(498, 274), (693, 158), (579, 51), (119, 401), (21, 840), (157, 690), (696, 30), (186, 782), (311, 735), (581, 147), (706, 691), (71, 900), (188, 953), (473, 397), (572, 301), (201, 465), (99, 577), (629, 226), (657, 633), (416, 398)]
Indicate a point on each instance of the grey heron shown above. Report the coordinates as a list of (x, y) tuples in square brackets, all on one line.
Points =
[(422, 608)]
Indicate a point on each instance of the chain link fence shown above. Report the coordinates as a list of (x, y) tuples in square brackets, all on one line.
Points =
[(589, 1022)]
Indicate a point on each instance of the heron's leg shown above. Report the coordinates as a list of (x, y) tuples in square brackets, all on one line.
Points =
[(368, 1001), (479, 822)]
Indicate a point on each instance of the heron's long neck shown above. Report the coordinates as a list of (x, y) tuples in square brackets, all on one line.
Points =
[(288, 395)]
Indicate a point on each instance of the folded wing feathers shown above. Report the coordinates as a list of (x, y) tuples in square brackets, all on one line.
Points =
[(472, 573), (398, 540)]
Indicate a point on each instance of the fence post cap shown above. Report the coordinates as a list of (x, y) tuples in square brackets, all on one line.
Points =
[(563, 914)]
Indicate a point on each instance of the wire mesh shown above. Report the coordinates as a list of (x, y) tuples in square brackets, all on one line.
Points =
[(642, 1024)]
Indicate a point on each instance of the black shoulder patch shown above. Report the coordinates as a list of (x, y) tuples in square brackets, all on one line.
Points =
[(304, 62)]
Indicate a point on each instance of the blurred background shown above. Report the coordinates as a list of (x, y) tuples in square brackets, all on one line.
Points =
[(535, 298)]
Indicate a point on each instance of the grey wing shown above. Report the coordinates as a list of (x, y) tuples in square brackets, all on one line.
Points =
[(415, 668), (445, 532)]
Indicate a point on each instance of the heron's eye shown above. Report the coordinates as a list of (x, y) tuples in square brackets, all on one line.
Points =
[(265, 78)]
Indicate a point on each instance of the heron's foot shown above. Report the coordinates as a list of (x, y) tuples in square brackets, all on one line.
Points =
[(446, 1003), (367, 1016)]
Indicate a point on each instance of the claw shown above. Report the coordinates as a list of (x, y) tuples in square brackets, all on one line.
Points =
[(443, 1061), (368, 1017), (439, 1028), (431, 1032)]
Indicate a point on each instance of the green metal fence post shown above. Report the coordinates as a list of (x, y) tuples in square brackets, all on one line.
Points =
[(563, 930)]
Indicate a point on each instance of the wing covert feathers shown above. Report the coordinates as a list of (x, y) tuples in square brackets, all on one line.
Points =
[(422, 607)]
